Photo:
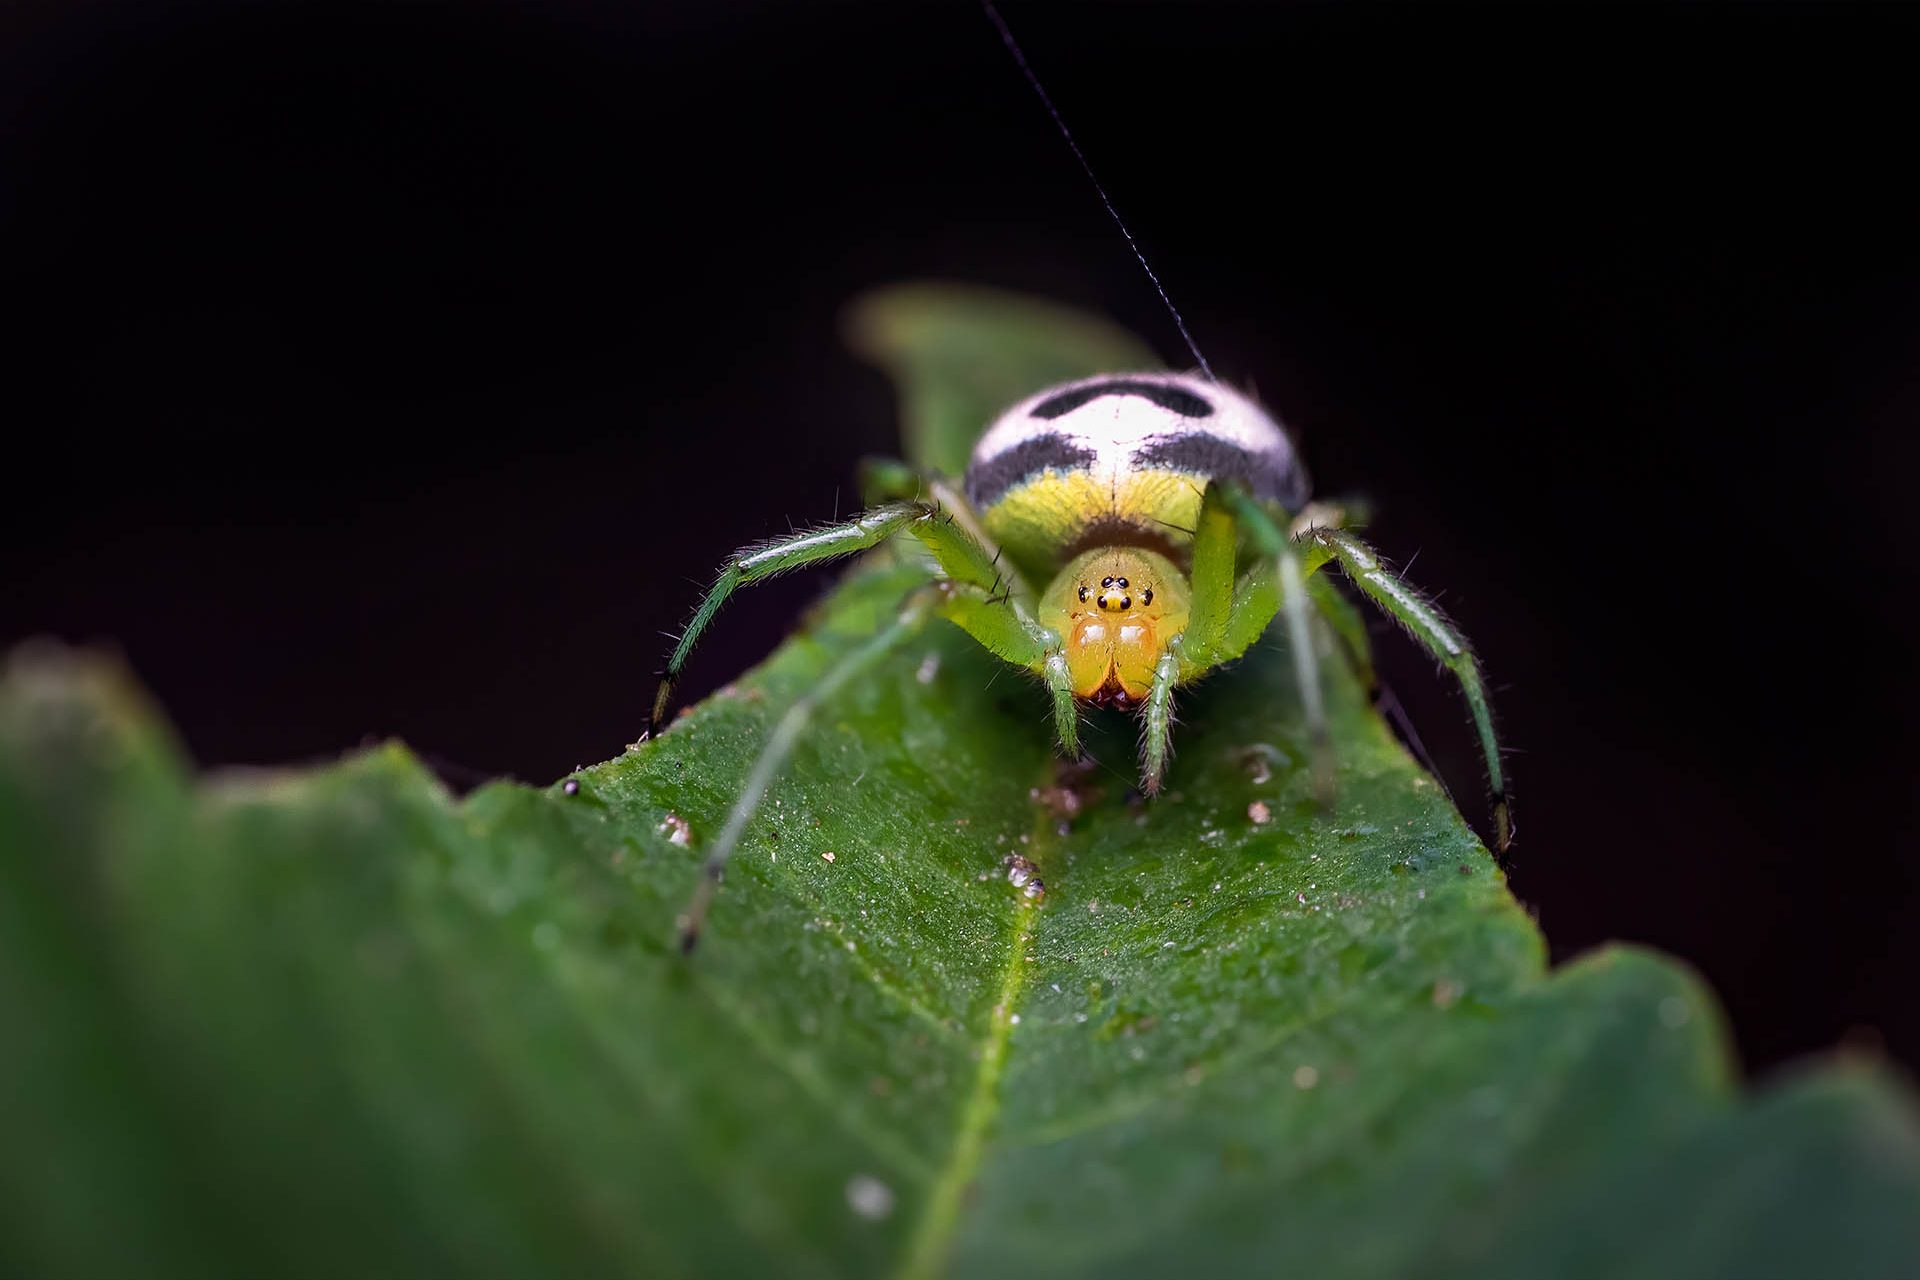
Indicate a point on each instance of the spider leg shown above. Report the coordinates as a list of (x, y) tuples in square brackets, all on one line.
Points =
[(1004, 628), (780, 744), (889, 480), (1270, 537), (1000, 617), (1430, 627), (1211, 611), (961, 554), (1157, 738), (1252, 603), (1199, 648), (764, 560), (1351, 630)]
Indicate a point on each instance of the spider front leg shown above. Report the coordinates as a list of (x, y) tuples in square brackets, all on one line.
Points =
[(1199, 648), (1430, 627), (961, 555), (762, 561), (773, 756)]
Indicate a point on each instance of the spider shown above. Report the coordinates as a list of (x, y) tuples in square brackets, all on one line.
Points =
[(1118, 537)]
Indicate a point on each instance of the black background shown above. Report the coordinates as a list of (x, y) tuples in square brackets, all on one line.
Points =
[(386, 369)]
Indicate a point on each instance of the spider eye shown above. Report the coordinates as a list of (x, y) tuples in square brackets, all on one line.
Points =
[(1106, 582), (1083, 593), (1120, 583), (1146, 596)]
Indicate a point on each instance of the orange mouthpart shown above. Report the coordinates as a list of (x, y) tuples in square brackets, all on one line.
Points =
[(1112, 658)]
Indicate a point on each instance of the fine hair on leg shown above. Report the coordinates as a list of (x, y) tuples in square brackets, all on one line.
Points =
[(1156, 744), (780, 555)]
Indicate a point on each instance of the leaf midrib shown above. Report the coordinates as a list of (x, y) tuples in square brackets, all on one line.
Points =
[(932, 1238)]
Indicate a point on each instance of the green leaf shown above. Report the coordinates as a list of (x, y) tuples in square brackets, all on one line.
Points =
[(336, 1022), (960, 354)]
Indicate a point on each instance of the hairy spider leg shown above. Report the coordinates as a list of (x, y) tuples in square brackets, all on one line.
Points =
[(1005, 631), (763, 560), (1156, 731), (1228, 615), (1216, 542), (1425, 623), (884, 480), (780, 745), (1349, 627), (1200, 647), (960, 554), (1268, 536)]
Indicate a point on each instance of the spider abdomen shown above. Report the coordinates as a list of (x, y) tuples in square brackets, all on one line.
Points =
[(1122, 458)]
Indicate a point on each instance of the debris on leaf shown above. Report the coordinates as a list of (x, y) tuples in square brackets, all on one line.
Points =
[(1071, 791), (1259, 761), (869, 1197), (1022, 874)]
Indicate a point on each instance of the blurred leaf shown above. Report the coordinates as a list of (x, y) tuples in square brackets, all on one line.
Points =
[(335, 1022), (960, 354)]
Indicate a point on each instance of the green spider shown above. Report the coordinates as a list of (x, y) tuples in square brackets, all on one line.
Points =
[(1118, 537)]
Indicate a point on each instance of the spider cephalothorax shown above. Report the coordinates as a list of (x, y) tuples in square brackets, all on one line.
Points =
[(1117, 537)]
